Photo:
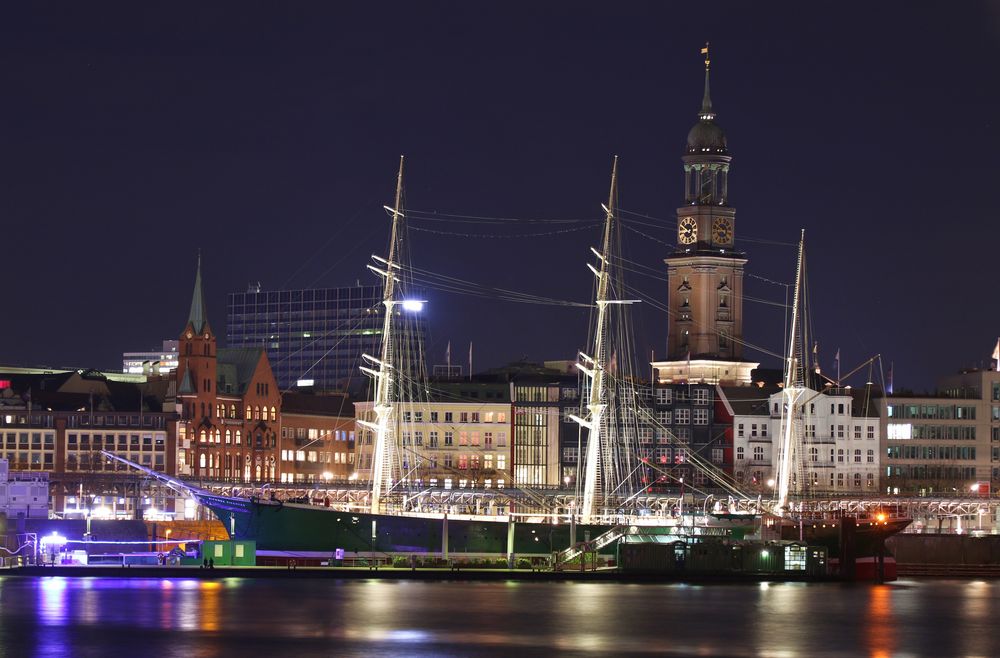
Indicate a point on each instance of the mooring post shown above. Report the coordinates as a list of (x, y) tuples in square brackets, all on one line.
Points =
[(444, 536), (510, 542)]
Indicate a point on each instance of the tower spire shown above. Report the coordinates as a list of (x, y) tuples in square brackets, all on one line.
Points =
[(706, 101), (198, 317)]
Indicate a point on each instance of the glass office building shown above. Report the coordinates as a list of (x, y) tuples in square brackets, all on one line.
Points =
[(317, 334)]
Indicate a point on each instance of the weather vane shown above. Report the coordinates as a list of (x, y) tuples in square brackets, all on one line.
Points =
[(704, 51)]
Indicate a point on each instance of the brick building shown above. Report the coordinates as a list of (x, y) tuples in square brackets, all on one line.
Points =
[(230, 405), (317, 437)]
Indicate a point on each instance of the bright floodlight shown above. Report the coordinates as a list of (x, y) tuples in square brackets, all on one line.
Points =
[(413, 305), (55, 540)]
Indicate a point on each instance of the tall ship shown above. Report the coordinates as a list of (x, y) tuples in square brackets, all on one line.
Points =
[(612, 505), (392, 515), (624, 491)]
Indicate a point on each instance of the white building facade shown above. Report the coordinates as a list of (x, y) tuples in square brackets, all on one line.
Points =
[(838, 444)]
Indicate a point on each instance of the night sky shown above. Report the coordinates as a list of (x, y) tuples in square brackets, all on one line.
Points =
[(268, 137)]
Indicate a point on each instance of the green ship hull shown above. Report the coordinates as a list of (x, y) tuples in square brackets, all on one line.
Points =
[(309, 528), (278, 526)]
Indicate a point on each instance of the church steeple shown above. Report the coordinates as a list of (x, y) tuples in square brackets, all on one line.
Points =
[(705, 270), (706, 100), (198, 316)]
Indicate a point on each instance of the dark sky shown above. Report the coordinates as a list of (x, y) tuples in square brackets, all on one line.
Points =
[(268, 137)]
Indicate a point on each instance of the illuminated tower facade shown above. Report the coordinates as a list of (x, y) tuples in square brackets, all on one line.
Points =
[(705, 271)]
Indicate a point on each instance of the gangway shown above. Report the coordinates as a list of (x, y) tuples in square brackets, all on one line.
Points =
[(592, 546)]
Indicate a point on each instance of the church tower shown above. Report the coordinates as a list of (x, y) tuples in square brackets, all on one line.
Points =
[(705, 270), (196, 349)]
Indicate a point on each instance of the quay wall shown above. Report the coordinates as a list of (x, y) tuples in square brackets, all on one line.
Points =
[(925, 549)]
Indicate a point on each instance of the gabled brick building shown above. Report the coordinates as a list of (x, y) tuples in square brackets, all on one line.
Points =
[(229, 402)]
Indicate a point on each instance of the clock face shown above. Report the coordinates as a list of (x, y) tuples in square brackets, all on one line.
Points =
[(687, 230), (189, 335), (722, 230)]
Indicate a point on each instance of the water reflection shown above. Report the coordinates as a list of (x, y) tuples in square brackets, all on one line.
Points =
[(55, 616), (880, 631), (52, 605), (978, 602)]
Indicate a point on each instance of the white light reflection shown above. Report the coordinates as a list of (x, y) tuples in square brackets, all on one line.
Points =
[(52, 603)]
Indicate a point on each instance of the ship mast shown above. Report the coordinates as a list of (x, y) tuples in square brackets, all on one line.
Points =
[(792, 390), (595, 366), (383, 404)]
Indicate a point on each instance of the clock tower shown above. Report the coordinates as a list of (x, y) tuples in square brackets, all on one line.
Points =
[(705, 270)]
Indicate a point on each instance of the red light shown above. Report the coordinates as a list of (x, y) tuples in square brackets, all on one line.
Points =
[(4, 383)]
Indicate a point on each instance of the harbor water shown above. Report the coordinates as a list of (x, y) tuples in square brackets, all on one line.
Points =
[(58, 616)]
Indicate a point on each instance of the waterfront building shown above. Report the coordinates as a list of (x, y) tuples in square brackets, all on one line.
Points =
[(314, 336), (460, 437), (946, 442), (153, 362), (23, 495), (839, 434), (229, 402), (546, 441), (705, 270), (689, 422), (317, 437), (55, 424)]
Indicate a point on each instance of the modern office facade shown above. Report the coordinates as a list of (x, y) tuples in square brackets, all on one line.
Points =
[(312, 335), (946, 442)]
